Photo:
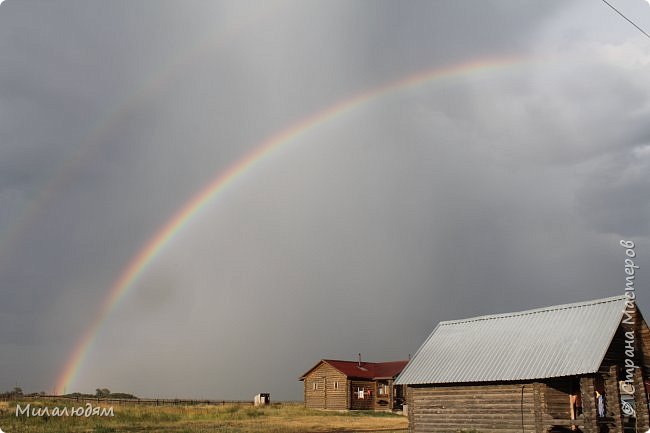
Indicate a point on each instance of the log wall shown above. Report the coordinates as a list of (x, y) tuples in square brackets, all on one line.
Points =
[(327, 394), (612, 370), (555, 402), (368, 401), (488, 408)]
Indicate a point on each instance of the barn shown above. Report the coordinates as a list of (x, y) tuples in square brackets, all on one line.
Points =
[(356, 385), (575, 367)]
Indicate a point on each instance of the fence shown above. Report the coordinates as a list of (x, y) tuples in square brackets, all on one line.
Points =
[(131, 401)]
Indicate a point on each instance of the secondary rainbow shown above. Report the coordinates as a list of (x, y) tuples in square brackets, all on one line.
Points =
[(190, 209), (138, 98)]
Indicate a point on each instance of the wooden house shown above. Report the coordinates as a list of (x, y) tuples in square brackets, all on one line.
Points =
[(562, 368), (342, 385)]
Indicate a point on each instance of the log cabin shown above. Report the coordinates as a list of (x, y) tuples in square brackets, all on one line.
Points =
[(353, 385), (566, 368)]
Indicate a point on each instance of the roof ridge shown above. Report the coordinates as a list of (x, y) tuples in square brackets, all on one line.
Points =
[(535, 310), (364, 362)]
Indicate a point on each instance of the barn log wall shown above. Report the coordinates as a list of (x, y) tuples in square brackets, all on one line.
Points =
[(501, 408), (498, 407), (326, 396), (642, 360), (538, 403), (641, 398), (556, 402), (613, 369), (641, 374), (643, 343), (616, 352), (589, 409), (613, 399)]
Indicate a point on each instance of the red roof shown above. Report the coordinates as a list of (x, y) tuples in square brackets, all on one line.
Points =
[(365, 370)]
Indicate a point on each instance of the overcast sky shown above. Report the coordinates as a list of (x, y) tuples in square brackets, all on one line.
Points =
[(491, 191)]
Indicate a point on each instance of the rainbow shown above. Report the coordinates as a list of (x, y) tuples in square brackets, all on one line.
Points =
[(200, 201)]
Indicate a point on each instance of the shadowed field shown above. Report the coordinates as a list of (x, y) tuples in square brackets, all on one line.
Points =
[(277, 418)]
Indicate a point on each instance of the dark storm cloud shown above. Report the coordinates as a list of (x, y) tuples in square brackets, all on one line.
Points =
[(482, 193), (612, 201)]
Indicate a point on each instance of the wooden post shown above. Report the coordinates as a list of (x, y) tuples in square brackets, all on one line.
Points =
[(613, 399), (589, 409)]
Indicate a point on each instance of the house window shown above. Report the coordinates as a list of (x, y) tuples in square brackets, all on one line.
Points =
[(382, 389), (360, 393), (314, 385), (336, 385)]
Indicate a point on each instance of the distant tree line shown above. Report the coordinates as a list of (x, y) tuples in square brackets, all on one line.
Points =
[(104, 393), (17, 392)]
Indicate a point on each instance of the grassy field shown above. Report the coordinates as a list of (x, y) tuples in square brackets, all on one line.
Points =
[(277, 418)]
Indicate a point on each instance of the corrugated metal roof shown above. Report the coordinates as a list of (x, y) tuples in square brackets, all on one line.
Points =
[(562, 340)]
